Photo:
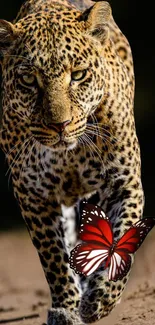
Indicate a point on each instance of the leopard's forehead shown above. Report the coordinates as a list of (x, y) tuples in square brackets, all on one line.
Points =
[(55, 39)]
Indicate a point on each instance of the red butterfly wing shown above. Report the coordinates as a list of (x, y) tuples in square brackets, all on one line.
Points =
[(95, 226), (86, 258), (135, 236), (96, 232), (120, 262)]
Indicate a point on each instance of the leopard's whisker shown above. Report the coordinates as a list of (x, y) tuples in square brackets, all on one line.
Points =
[(27, 155), (94, 121), (86, 140), (94, 145), (8, 153), (81, 141), (103, 137), (101, 128), (17, 156), (104, 132), (95, 148)]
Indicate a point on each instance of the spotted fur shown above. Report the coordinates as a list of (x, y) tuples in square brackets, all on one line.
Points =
[(68, 132)]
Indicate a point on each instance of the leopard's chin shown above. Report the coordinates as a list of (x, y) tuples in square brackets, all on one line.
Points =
[(64, 145), (61, 145)]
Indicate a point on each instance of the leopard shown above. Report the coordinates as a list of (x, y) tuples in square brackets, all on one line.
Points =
[(69, 135)]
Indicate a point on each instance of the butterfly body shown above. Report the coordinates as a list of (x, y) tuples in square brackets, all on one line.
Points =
[(110, 254), (98, 247)]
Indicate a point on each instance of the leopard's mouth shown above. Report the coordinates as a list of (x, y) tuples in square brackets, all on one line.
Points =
[(56, 143)]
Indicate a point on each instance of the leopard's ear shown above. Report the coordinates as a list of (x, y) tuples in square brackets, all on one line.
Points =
[(96, 19), (8, 34)]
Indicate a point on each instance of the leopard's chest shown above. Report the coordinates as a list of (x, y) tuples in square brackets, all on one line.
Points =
[(66, 180)]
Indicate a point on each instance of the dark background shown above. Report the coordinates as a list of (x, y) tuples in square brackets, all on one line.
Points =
[(132, 20)]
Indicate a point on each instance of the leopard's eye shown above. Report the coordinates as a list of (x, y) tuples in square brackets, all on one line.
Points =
[(78, 75), (28, 79)]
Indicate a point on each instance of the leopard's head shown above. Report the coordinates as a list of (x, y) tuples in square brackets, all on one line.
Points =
[(54, 72)]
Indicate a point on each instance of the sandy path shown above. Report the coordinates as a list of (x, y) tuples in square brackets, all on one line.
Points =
[(24, 291)]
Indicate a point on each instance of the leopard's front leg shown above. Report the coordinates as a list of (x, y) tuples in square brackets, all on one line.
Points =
[(45, 225), (124, 207)]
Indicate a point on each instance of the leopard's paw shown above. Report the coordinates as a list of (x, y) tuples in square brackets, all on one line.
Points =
[(61, 316)]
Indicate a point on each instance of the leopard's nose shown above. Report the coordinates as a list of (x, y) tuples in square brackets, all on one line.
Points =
[(58, 127)]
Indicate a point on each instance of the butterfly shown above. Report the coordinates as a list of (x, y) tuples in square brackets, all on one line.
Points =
[(98, 246)]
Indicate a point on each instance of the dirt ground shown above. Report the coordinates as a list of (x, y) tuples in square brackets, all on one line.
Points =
[(24, 291)]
